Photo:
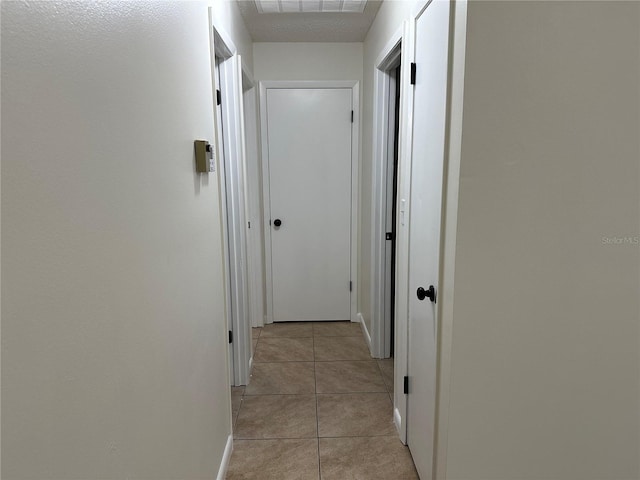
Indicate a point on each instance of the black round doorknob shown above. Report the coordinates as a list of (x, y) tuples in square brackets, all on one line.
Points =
[(429, 293), (277, 222)]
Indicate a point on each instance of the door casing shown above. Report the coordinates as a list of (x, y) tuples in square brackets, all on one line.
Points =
[(253, 201), (230, 148), (355, 162), (388, 60)]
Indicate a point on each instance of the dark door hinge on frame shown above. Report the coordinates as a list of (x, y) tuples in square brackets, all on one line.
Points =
[(218, 97), (230, 336), (406, 385), (413, 73)]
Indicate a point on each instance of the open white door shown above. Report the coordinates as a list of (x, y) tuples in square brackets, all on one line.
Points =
[(230, 117), (428, 153), (309, 167)]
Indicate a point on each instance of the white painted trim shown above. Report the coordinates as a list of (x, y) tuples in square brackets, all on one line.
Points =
[(247, 77), (253, 193), (380, 324), (214, 83), (266, 210), (225, 47), (230, 70), (419, 8), (218, 153), (401, 351), (309, 83), (354, 85), (365, 332), (226, 458), (355, 197), (397, 420), (449, 229)]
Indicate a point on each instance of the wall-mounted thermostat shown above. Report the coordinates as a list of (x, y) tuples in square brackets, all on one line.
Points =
[(205, 159)]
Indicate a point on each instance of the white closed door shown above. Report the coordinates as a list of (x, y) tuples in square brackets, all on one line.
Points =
[(428, 151), (309, 167)]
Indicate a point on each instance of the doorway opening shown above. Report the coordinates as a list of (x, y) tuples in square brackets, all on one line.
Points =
[(253, 176), (392, 202), (230, 143), (387, 135), (310, 197)]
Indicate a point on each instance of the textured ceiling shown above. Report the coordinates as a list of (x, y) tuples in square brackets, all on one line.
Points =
[(307, 27)]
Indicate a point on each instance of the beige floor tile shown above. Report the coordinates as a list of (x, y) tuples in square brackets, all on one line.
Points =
[(236, 401), (386, 367), (277, 416), (237, 391), (255, 332), (337, 329), (368, 458), (274, 459), (277, 349), (349, 376), (288, 329), (255, 344), (340, 348), (293, 378), (354, 415)]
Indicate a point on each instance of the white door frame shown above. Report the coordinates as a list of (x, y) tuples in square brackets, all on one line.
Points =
[(448, 231), (253, 201), (218, 49), (355, 130), (231, 183), (388, 58), (380, 324)]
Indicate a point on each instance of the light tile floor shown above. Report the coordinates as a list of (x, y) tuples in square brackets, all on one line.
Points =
[(317, 407)]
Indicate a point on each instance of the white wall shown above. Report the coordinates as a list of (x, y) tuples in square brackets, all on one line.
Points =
[(388, 20), (545, 364), (114, 346), (307, 61)]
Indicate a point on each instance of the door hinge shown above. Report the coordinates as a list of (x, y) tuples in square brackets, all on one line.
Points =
[(218, 97), (350, 285), (406, 385), (230, 336), (249, 224), (351, 116), (413, 73), (388, 236)]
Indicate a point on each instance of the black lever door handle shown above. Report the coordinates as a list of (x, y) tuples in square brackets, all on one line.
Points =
[(277, 222), (430, 293)]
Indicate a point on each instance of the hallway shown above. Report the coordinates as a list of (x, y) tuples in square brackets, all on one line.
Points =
[(317, 407)]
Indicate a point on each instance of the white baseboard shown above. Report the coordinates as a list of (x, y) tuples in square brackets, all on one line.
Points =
[(367, 337), (397, 420), (226, 458)]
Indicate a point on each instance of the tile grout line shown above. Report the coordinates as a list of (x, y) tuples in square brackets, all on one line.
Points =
[(391, 395), (317, 437), (258, 439), (315, 383)]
